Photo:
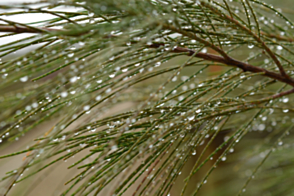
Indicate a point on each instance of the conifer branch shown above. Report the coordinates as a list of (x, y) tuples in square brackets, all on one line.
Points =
[(250, 32), (231, 62)]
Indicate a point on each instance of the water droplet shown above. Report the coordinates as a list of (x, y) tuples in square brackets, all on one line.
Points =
[(285, 110), (124, 70), (191, 118), (98, 98), (279, 47), (250, 46), (194, 152), (157, 64), (285, 100), (24, 79), (73, 79), (204, 50), (64, 94), (86, 107), (174, 79), (34, 105), (198, 111), (261, 127)]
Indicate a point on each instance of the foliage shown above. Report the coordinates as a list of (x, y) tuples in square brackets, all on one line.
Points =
[(140, 90)]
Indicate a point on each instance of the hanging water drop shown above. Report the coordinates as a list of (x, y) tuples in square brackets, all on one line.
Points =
[(64, 94), (24, 79)]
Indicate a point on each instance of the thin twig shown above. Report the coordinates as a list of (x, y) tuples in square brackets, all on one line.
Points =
[(22, 29)]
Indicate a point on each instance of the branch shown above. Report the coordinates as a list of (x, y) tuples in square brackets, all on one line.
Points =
[(244, 28), (21, 29), (229, 61), (225, 59)]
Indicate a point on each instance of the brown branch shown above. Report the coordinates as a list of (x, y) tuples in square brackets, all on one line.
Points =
[(229, 61)]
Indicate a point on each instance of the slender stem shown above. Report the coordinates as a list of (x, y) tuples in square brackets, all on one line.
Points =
[(22, 29)]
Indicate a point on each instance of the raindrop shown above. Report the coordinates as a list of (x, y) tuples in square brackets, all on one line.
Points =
[(250, 46), (24, 79), (279, 47), (194, 152), (124, 70), (98, 98), (34, 105), (64, 94), (204, 50), (86, 107), (285, 110), (261, 127), (285, 100), (198, 111), (73, 79), (157, 64), (191, 118)]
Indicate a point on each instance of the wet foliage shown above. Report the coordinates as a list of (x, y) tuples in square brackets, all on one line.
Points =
[(154, 96)]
